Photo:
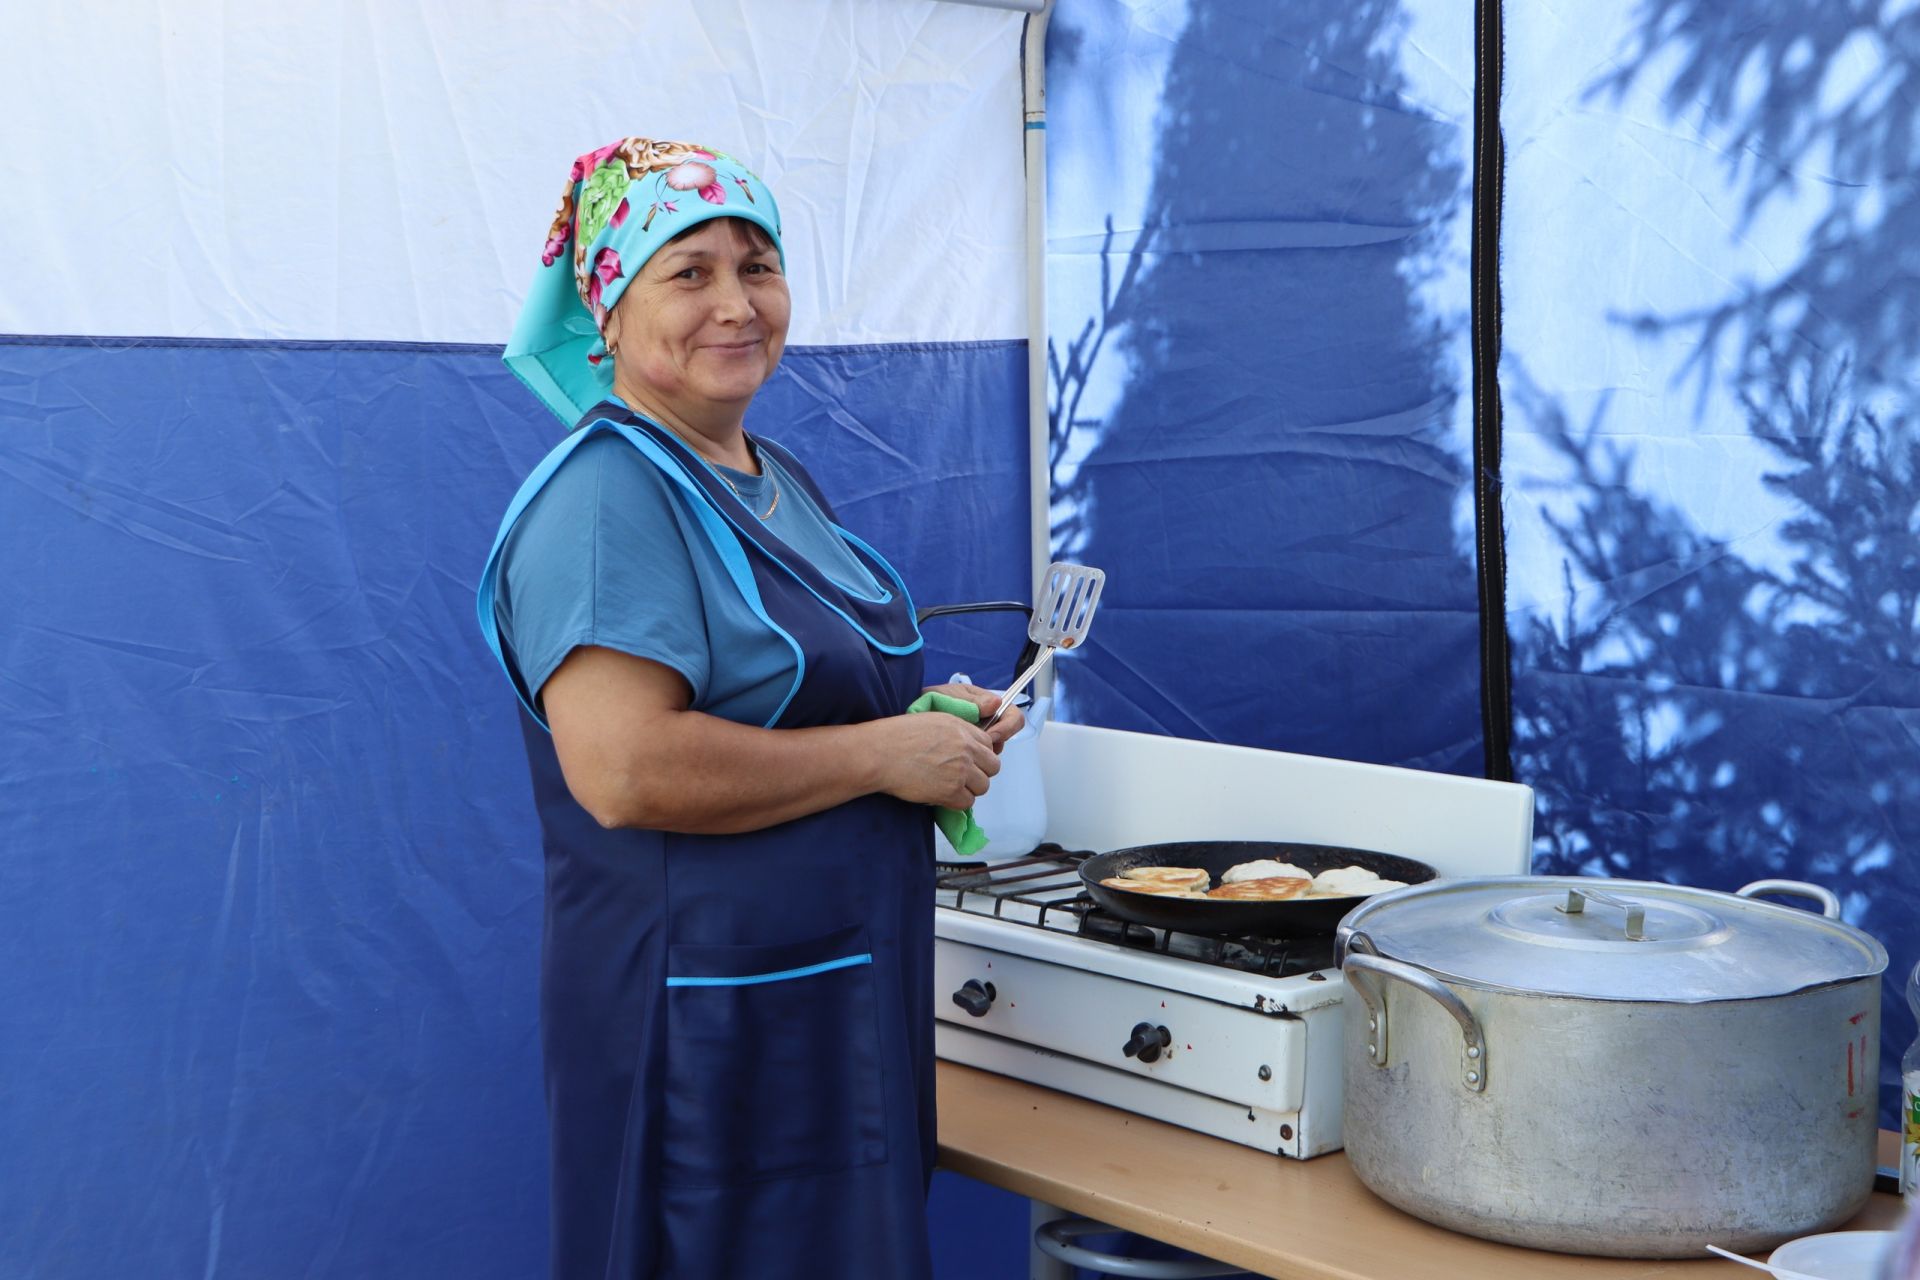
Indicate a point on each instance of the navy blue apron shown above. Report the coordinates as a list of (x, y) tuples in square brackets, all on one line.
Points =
[(738, 1029)]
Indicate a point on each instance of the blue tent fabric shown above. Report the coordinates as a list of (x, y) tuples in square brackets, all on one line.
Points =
[(270, 846), (1258, 310), (1712, 460), (1261, 414)]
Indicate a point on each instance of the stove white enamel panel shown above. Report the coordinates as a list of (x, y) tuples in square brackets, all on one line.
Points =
[(1277, 1131), (1226, 1050)]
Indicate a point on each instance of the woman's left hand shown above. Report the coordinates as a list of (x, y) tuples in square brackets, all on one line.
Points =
[(988, 701)]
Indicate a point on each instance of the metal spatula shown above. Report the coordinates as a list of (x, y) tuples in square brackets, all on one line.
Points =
[(1060, 621)]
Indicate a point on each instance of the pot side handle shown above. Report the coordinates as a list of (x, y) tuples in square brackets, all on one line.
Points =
[(1828, 900), (1474, 1048)]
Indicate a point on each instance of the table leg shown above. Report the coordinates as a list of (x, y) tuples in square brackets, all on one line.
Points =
[(1039, 1265)]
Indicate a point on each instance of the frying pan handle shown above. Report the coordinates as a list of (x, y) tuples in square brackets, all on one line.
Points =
[(1828, 900), (1357, 962), (1028, 651), (979, 606)]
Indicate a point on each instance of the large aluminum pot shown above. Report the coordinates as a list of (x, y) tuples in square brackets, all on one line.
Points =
[(1609, 1066)]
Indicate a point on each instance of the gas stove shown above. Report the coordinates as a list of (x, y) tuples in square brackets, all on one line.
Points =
[(1236, 1037)]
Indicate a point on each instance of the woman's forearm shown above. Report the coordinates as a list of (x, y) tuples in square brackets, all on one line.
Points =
[(635, 755), (704, 775)]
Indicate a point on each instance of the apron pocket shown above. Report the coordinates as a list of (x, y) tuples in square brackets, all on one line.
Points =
[(773, 1061)]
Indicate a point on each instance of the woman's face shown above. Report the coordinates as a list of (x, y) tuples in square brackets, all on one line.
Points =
[(705, 321)]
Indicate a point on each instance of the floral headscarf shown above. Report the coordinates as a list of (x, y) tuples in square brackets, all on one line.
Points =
[(622, 203)]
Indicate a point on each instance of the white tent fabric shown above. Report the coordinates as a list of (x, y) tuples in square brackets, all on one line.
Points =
[(386, 172)]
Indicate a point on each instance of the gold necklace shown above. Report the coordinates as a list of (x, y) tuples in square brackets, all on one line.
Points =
[(771, 478), (720, 471)]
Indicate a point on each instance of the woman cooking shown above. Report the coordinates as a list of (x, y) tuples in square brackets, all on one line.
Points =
[(736, 979)]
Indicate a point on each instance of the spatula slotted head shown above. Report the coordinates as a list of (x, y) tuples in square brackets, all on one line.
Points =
[(1066, 607)]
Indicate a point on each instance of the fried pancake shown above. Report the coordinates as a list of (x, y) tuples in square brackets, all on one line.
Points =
[(1271, 889), (1351, 882), (1147, 886), (1184, 877), (1264, 869)]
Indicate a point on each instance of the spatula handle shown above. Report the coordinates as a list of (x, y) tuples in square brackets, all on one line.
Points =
[(1013, 691), (1779, 1273)]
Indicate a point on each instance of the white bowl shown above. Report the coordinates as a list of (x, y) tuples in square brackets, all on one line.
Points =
[(1837, 1255)]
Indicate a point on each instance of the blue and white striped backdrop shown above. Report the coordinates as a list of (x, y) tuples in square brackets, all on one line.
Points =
[(271, 882)]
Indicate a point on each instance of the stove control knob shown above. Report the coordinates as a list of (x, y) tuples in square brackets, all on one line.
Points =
[(1146, 1042), (975, 996)]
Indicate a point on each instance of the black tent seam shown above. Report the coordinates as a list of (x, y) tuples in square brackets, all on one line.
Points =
[(1489, 168)]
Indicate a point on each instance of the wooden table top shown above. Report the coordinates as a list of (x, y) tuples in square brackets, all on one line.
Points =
[(1288, 1219)]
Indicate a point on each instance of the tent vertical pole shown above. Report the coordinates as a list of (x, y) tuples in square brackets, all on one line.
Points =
[(1033, 67)]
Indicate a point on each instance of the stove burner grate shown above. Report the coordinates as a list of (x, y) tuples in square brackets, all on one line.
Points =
[(1047, 882)]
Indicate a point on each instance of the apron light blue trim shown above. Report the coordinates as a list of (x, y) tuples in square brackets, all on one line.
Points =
[(490, 573), (784, 975), (892, 573), (745, 531)]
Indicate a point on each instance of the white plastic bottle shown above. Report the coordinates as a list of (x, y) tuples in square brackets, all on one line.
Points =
[(1013, 813), (1910, 1101)]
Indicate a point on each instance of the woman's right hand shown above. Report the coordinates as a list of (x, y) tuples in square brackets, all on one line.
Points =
[(933, 758)]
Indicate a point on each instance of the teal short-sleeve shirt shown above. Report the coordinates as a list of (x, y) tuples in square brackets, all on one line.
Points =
[(609, 554)]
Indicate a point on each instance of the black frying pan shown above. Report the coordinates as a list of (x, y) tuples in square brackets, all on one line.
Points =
[(1298, 917)]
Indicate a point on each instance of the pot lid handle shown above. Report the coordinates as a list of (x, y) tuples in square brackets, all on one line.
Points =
[(1829, 901), (1636, 912)]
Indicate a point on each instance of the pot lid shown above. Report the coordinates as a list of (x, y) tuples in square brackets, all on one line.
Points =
[(1603, 939)]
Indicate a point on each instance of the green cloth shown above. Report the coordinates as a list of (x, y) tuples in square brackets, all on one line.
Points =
[(958, 825)]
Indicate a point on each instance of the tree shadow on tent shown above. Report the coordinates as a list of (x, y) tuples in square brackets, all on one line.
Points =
[(1701, 714), (1799, 96), (1275, 493)]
